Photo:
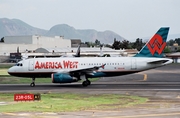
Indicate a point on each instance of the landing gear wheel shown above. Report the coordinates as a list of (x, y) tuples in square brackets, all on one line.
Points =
[(32, 84), (89, 82), (85, 83)]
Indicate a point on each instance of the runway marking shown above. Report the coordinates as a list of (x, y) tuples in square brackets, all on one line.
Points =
[(145, 115), (12, 114), (145, 77)]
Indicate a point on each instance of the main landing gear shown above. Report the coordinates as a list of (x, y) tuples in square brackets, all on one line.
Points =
[(86, 83), (33, 82)]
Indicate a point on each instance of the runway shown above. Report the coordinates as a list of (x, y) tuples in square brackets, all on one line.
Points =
[(100, 86), (161, 86)]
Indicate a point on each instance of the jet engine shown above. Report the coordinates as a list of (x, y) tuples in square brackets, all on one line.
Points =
[(62, 78)]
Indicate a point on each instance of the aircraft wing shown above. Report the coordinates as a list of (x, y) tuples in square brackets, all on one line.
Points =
[(87, 70)]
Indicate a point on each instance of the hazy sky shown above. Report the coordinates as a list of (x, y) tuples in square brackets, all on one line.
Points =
[(129, 18)]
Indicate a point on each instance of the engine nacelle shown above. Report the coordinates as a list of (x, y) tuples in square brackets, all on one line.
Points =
[(62, 78)]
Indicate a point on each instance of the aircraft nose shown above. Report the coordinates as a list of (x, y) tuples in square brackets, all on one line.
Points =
[(10, 70)]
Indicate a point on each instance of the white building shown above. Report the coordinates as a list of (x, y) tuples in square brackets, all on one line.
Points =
[(31, 43)]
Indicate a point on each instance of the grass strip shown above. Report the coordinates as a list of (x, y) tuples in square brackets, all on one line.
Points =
[(3, 71), (6, 65), (64, 102)]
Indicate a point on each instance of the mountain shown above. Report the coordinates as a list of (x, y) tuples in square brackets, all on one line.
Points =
[(88, 35), (12, 27)]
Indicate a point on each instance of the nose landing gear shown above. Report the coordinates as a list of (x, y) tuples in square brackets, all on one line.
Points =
[(33, 82)]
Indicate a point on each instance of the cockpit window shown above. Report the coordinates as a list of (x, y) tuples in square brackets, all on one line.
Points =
[(19, 64)]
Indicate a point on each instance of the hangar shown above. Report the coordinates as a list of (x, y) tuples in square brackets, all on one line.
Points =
[(31, 42), (40, 41)]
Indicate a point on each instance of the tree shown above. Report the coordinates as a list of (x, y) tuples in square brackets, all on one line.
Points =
[(116, 44), (177, 40), (2, 39), (170, 42), (97, 42), (138, 44), (167, 50), (88, 44), (178, 50), (124, 44), (107, 45)]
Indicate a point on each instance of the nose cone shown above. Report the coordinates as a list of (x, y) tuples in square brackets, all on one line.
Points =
[(10, 70)]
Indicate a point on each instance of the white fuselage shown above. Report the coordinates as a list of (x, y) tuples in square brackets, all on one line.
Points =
[(114, 66)]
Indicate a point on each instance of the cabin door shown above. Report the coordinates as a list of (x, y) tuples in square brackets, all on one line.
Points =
[(133, 64), (31, 65)]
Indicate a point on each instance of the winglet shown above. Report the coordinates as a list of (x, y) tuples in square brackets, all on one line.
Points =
[(155, 46)]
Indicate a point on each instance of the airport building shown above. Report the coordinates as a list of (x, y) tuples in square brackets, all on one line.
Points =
[(85, 51), (15, 47), (174, 56), (31, 43)]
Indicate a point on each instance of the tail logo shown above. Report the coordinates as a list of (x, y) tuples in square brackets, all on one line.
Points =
[(156, 44)]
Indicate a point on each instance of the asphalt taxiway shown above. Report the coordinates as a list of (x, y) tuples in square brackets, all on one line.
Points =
[(160, 85)]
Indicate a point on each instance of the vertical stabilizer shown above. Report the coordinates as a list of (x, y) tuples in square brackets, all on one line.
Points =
[(155, 46), (78, 51)]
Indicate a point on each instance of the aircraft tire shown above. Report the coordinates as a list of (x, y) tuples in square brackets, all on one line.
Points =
[(32, 84), (89, 82), (85, 83)]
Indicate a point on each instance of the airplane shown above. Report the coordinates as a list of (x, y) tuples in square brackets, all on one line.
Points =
[(25, 56), (101, 52), (68, 70), (77, 52)]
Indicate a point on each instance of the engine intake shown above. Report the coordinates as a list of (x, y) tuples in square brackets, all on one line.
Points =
[(62, 78)]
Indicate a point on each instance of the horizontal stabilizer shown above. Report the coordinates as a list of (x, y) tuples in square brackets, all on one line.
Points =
[(158, 62)]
